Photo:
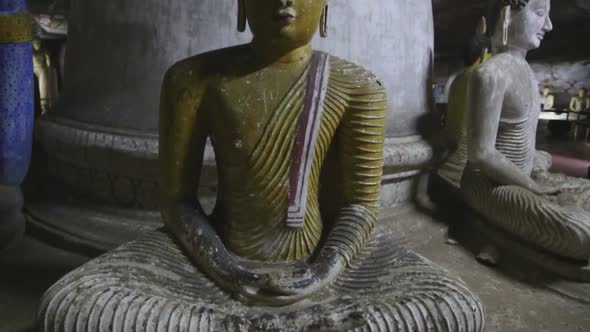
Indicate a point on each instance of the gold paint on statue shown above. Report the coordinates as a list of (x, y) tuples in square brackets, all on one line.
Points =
[(248, 99), (15, 28)]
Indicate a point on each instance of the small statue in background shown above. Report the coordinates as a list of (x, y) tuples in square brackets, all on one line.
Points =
[(294, 242), (547, 100), (506, 179), (46, 76), (581, 102)]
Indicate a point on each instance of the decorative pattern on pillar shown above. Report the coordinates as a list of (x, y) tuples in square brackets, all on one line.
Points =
[(16, 91)]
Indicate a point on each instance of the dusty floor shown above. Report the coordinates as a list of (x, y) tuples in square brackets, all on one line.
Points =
[(30, 267)]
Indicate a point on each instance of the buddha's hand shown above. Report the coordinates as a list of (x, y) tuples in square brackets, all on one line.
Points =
[(305, 281), (249, 278), (540, 189)]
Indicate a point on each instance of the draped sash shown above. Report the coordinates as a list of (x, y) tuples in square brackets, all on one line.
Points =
[(306, 137)]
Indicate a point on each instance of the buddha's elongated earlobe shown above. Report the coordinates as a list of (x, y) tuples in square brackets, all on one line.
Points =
[(506, 12), (324, 22), (241, 15)]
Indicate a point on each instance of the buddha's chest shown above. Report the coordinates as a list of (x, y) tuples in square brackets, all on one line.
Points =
[(257, 110), (522, 99)]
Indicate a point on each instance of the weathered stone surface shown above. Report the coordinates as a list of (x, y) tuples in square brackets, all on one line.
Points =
[(150, 285)]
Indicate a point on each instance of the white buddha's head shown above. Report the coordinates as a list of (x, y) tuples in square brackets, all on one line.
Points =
[(521, 24)]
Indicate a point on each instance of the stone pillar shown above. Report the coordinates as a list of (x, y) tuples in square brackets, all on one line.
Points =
[(16, 113), (16, 91), (100, 187), (101, 142), (395, 40)]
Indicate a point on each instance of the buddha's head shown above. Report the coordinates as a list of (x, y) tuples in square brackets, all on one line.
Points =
[(546, 91), (582, 93), (520, 24), (283, 22), (36, 44)]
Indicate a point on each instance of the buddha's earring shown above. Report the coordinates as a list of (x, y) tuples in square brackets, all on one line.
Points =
[(507, 10), (241, 15), (324, 22)]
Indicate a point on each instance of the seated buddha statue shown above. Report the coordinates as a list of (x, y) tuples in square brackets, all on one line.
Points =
[(581, 102), (506, 180), (46, 76), (547, 99), (294, 242)]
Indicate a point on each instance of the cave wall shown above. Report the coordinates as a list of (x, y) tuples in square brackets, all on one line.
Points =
[(564, 78)]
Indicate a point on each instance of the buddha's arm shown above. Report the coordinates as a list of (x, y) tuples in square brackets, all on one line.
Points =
[(361, 145), (446, 141), (486, 97), (455, 115), (182, 140)]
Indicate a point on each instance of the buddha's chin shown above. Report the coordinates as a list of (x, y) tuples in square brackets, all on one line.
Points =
[(536, 44), (292, 33)]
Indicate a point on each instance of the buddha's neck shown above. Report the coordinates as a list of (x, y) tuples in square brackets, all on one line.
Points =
[(514, 51), (274, 55)]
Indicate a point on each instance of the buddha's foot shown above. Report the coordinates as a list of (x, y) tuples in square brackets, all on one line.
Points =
[(568, 269), (150, 285)]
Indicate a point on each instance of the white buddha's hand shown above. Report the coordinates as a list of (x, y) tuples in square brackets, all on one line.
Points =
[(540, 189)]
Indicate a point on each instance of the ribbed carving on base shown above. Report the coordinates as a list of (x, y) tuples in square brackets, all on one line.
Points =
[(149, 285)]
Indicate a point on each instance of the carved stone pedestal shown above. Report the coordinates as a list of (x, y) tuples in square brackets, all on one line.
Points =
[(150, 284)]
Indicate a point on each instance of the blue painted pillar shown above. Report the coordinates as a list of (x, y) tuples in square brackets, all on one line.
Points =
[(16, 91)]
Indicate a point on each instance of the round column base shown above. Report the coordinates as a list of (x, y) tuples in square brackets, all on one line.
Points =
[(87, 229), (12, 223)]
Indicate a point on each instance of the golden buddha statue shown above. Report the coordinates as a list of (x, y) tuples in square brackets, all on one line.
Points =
[(581, 102), (46, 76), (506, 180), (294, 242)]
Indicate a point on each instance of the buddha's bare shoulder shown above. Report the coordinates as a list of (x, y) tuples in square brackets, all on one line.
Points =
[(494, 71), (204, 66)]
